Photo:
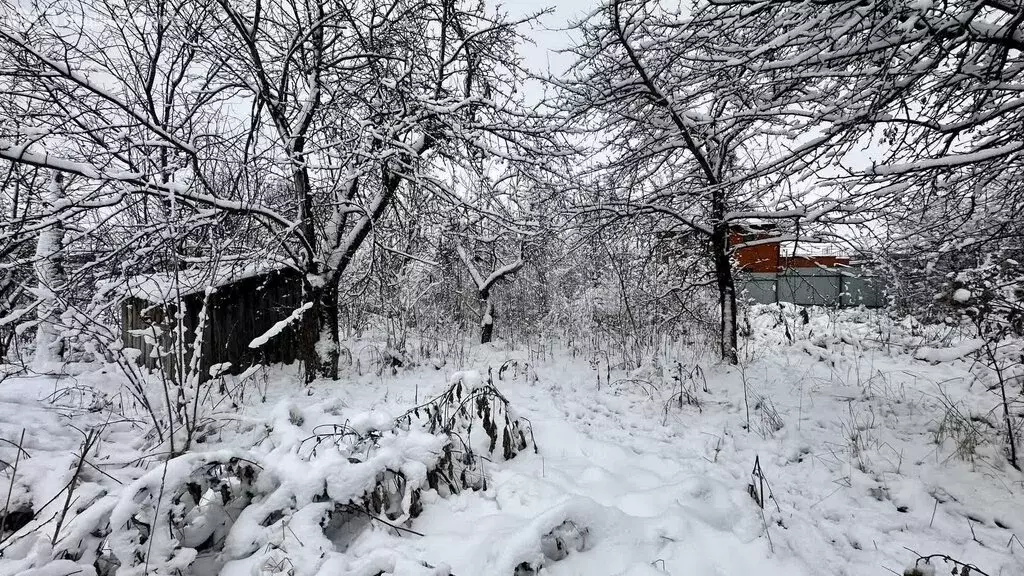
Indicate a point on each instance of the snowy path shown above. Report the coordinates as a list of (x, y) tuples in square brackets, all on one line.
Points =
[(644, 503)]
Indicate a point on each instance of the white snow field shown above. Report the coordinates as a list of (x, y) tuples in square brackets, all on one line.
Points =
[(869, 457)]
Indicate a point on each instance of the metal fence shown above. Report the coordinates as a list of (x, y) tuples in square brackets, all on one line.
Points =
[(836, 287)]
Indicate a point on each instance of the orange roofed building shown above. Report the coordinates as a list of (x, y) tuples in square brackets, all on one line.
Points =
[(818, 276), (758, 250)]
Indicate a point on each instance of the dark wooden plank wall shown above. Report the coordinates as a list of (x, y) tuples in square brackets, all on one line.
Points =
[(236, 314)]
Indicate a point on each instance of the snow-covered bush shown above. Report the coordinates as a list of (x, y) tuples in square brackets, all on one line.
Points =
[(991, 298), (852, 329), (565, 539), (469, 408), (294, 502), (178, 511)]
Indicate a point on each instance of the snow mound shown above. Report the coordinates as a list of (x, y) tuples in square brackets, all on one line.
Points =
[(306, 499)]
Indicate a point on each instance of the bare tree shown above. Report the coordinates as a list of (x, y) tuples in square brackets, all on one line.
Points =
[(490, 234), (213, 110), (684, 134), (929, 90), (486, 268)]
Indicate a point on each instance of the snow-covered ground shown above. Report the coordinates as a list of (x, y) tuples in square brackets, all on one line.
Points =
[(638, 471)]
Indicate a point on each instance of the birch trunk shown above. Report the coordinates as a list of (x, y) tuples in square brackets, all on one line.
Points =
[(50, 278)]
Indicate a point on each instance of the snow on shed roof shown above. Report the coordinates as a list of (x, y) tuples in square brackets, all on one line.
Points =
[(163, 286)]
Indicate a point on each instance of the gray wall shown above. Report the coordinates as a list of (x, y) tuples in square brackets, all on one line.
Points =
[(814, 287), (759, 287)]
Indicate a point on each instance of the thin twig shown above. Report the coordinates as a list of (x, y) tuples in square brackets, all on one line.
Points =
[(90, 437), (383, 521), (14, 474), (18, 446), (946, 558)]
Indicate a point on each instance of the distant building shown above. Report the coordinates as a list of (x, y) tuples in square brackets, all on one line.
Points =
[(810, 275), (243, 305)]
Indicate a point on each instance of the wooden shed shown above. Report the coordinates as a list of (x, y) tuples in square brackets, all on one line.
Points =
[(239, 307)]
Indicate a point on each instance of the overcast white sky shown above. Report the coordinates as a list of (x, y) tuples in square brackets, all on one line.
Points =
[(549, 35)]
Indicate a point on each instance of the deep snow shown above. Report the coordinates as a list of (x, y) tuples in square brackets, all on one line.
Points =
[(850, 430)]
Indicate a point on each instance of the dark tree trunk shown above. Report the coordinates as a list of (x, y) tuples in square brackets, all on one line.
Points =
[(329, 336), (487, 321), (726, 293), (320, 334)]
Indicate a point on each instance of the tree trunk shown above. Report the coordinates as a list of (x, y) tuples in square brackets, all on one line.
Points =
[(726, 293), (329, 342), (320, 338), (487, 321), (50, 274), (320, 333)]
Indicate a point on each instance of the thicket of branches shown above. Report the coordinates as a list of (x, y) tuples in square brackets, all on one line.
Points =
[(395, 158), (390, 153)]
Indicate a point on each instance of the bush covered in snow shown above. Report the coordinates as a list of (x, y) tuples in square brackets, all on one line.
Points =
[(290, 505)]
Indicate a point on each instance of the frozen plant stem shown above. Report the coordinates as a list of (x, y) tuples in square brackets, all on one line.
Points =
[(14, 475), (90, 438)]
